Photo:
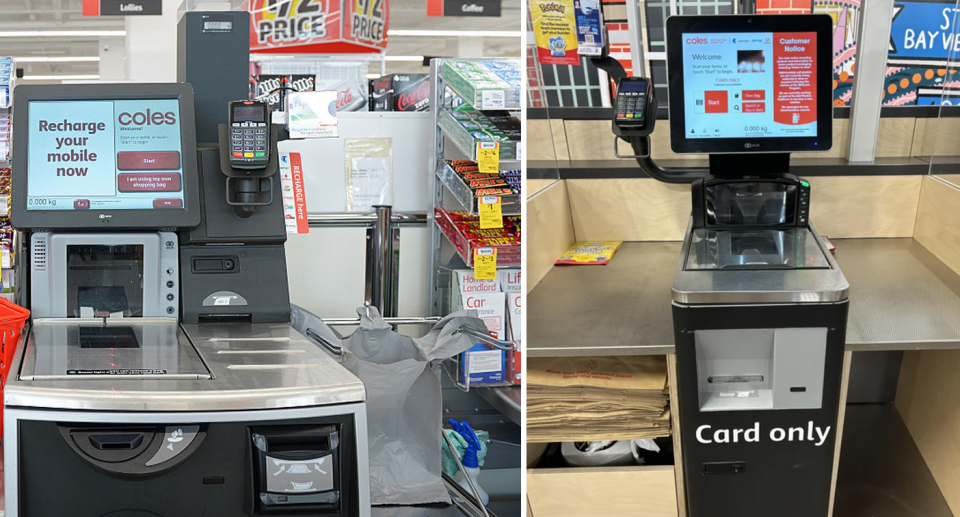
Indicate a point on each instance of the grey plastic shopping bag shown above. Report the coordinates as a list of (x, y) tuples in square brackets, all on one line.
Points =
[(404, 408)]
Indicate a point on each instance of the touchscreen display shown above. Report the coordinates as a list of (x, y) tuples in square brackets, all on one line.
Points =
[(104, 155), (750, 85)]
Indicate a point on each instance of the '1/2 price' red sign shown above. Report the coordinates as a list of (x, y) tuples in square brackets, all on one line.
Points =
[(319, 26)]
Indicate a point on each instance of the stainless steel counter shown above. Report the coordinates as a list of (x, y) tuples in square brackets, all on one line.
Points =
[(901, 298), (252, 367)]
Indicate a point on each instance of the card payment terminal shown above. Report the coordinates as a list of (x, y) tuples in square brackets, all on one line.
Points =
[(633, 101), (249, 134)]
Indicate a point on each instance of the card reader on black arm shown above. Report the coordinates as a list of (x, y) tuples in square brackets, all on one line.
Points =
[(248, 156)]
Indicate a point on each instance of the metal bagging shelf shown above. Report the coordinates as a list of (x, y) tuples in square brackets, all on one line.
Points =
[(510, 204)]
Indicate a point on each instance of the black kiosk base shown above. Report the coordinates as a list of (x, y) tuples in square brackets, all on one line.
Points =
[(743, 456)]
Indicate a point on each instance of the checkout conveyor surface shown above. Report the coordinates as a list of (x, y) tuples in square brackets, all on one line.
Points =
[(902, 298)]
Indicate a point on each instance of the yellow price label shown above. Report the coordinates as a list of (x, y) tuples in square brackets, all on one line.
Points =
[(485, 263), (488, 157), (491, 212)]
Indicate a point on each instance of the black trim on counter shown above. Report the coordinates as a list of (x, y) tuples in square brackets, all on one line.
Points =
[(596, 113), (806, 167)]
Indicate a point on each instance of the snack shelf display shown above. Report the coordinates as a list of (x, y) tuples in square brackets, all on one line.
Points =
[(475, 101), (468, 128), (8, 76), (459, 184), (484, 84), (9, 238), (462, 230)]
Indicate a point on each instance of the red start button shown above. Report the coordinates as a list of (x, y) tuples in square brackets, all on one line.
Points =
[(167, 203), (148, 160)]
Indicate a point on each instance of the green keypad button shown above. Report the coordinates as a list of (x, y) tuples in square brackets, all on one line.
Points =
[(261, 155)]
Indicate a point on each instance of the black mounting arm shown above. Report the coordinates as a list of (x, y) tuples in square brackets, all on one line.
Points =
[(639, 138)]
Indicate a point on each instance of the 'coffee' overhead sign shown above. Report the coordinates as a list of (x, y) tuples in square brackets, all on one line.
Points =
[(463, 7), (318, 26), (122, 7)]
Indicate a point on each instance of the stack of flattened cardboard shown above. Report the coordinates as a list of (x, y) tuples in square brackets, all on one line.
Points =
[(597, 398)]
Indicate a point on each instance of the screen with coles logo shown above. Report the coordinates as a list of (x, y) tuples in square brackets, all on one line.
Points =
[(750, 85), (107, 155)]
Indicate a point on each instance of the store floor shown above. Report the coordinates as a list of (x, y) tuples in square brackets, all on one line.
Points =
[(882, 473)]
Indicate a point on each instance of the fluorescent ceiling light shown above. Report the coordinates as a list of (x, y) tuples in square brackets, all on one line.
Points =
[(57, 59), (64, 34), (91, 77), (412, 59), (454, 34)]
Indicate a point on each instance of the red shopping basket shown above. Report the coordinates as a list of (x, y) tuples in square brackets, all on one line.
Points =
[(12, 319)]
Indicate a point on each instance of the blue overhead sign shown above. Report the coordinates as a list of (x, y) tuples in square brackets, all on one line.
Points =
[(923, 33)]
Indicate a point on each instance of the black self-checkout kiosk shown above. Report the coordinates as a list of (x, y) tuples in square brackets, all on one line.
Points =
[(159, 374), (759, 303)]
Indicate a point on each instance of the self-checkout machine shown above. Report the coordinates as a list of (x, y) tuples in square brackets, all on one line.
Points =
[(759, 303), (159, 375)]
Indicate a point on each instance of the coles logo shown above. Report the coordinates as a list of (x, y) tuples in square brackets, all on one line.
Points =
[(147, 118), (408, 101), (696, 41)]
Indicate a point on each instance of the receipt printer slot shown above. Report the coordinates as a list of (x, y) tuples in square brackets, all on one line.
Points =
[(298, 467)]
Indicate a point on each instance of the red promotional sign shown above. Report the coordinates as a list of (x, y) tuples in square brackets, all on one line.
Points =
[(318, 26), (299, 194), (794, 77)]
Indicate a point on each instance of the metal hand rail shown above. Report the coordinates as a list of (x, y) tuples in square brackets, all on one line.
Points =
[(487, 338), (428, 320), (368, 220), (344, 322)]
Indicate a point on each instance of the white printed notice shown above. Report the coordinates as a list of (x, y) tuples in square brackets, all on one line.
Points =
[(370, 183), (104, 155)]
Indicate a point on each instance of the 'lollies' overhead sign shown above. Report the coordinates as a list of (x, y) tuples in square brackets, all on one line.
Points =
[(318, 26)]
